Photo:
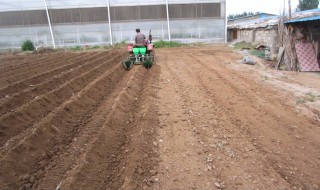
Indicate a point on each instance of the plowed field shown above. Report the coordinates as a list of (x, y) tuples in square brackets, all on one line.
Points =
[(193, 121)]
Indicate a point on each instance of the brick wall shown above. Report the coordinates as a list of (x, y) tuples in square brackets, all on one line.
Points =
[(267, 37)]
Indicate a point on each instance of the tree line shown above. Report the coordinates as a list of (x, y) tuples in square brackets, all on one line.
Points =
[(244, 14), (302, 6)]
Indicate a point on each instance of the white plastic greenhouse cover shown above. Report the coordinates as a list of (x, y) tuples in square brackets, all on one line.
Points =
[(15, 5), (90, 22)]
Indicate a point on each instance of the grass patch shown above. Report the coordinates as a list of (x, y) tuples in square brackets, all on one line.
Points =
[(94, 47), (300, 100), (76, 48), (310, 97), (116, 45), (166, 44), (198, 44), (120, 44), (241, 45)]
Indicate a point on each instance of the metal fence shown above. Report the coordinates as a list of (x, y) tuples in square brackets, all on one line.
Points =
[(95, 22)]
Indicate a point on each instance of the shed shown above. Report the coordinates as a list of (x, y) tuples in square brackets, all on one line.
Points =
[(301, 37), (256, 31)]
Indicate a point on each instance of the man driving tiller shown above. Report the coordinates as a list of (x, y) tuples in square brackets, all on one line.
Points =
[(140, 39)]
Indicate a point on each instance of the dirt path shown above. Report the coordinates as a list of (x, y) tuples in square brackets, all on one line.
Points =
[(196, 120)]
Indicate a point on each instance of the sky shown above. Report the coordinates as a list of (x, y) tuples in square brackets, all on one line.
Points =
[(267, 6)]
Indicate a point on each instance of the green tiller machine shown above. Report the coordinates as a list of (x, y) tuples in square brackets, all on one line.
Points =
[(142, 54)]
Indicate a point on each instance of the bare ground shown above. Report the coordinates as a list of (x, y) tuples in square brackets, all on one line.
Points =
[(197, 120)]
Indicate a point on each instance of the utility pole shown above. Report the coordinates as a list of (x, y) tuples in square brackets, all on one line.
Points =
[(289, 3)]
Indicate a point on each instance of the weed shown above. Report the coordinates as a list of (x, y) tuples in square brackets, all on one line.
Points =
[(241, 45), (300, 100), (27, 46), (311, 97), (264, 77), (120, 44), (95, 47), (76, 48), (165, 44), (198, 44), (92, 47)]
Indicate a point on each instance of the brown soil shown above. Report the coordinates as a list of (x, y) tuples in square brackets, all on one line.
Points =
[(198, 119)]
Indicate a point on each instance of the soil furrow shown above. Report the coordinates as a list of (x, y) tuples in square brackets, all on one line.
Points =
[(23, 61), (28, 94), (198, 119), (254, 106), (110, 153), (33, 66), (220, 135), (183, 158), (34, 80), (85, 134), (63, 122), (12, 123)]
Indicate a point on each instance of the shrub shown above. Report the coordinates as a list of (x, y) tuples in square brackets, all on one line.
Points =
[(27, 46)]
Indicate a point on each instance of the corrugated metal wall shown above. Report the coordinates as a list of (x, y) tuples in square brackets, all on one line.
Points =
[(76, 24)]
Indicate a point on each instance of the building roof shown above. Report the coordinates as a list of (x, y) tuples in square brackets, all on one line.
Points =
[(304, 16), (262, 15), (256, 23), (303, 19)]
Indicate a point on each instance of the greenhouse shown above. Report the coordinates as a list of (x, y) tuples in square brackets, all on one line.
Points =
[(63, 23)]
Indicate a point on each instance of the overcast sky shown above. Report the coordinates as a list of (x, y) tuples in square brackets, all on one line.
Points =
[(267, 6)]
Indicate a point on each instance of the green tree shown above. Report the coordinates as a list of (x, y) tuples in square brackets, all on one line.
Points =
[(233, 16), (307, 5)]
